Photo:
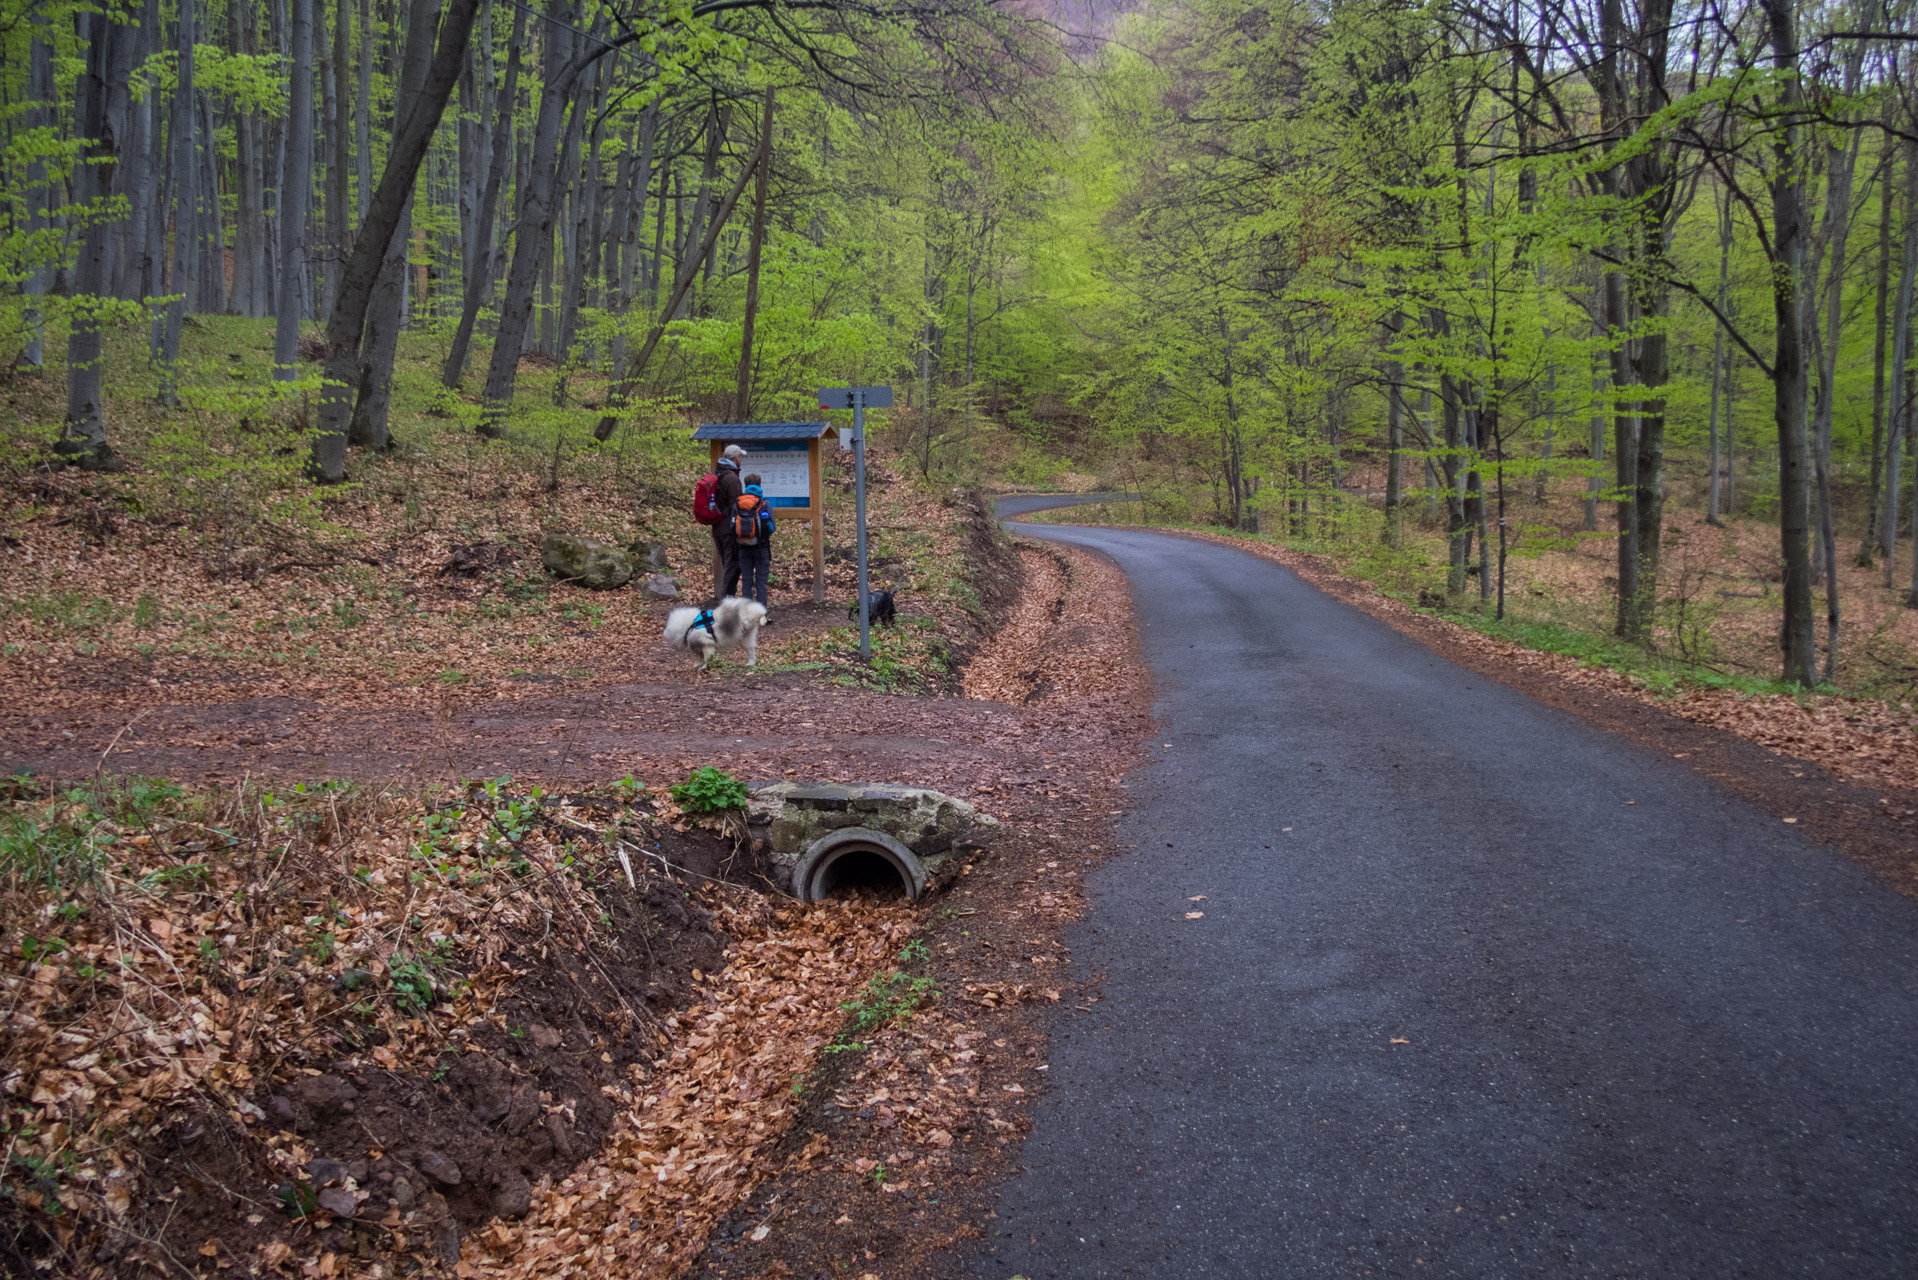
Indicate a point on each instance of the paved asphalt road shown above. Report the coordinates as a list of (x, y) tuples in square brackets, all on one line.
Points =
[(1478, 991), (1020, 504)]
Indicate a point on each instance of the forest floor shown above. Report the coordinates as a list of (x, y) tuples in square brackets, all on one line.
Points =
[(413, 963), (325, 1007)]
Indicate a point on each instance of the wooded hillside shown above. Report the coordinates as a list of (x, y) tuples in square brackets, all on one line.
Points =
[(1317, 270)]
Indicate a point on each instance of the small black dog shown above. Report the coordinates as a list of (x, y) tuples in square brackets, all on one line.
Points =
[(878, 608)]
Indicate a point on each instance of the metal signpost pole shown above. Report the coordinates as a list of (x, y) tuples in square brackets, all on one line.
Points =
[(859, 399), (859, 516)]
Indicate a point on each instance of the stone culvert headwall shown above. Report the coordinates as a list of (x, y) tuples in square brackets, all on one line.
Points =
[(813, 829)]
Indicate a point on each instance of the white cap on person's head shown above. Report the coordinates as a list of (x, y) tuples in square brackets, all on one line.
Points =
[(732, 451)]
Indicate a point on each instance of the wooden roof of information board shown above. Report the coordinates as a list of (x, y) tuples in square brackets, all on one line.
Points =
[(759, 431)]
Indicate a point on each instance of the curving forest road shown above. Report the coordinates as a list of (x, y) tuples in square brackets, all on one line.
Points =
[(1478, 990)]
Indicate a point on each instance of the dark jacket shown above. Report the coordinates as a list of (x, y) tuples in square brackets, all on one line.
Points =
[(726, 495)]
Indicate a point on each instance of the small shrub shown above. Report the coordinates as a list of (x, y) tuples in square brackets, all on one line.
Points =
[(412, 984), (886, 999), (710, 790)]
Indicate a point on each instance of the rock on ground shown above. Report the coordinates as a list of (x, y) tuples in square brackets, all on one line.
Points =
[(586, 561)]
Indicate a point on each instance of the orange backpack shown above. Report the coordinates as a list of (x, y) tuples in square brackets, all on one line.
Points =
[(749, 519)]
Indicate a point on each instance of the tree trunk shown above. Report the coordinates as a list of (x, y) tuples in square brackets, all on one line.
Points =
[(1595, 485), (743, 400), (183, 282), (717, 121), (631, 222), (1898, 406), (83, 437), (470, 162), (339, 158), (534, 235), (1840, 165), (41, 96), (1796, 638), (363, 114), (687, 270), (1652, 368), (384, 317), (347, 321), (1394, 445), (1713, 512), (1731, 435), (544, 337), (479, 281), (1868, 545), (659, 247), (724, 126), (578, 189), (137, 172), (1458, 532), (296, 194), (1624, 459), (213, 272), (249, 219), (1911, 597)]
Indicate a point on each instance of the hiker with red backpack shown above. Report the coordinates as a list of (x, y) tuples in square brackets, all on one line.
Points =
[(753, 530), (713, 501)]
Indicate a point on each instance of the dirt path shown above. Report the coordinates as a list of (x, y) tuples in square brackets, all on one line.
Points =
[(757, 726)]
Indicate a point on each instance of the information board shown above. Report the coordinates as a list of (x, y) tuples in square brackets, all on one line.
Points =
[(785, 476)]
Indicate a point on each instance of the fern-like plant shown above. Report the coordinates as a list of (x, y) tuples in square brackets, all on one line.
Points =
[(710, 790)]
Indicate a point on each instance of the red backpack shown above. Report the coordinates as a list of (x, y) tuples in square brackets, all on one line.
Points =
[(705, 494)]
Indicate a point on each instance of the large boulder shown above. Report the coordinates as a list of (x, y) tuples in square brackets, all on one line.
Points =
[(808, 826), (586, 561), (651, 556)]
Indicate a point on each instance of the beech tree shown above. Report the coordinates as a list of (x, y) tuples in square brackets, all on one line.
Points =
[(384, 211)]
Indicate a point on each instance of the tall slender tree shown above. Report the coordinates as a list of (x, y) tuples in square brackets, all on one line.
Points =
[(296, 194)]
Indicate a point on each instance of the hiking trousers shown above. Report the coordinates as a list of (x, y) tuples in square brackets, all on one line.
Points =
[(756, 565), (728, 548)]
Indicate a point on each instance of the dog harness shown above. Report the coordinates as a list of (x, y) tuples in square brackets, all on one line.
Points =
[(705, 619)]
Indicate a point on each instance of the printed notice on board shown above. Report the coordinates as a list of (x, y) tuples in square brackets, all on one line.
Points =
[(783, 470)]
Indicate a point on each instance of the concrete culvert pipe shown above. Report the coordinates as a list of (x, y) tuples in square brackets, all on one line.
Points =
[(854, 858)]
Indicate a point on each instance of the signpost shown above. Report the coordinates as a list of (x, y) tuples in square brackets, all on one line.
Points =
[(859, 399)]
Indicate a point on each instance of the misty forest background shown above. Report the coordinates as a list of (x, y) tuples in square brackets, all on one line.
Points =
[(1445, 289)]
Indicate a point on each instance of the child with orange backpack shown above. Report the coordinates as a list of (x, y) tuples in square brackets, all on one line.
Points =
[(752, 529)]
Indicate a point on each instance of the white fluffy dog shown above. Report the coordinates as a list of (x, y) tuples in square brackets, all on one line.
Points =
[(733, 622)]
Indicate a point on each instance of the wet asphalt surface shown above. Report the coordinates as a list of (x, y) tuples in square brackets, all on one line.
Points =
[(1478, 990)]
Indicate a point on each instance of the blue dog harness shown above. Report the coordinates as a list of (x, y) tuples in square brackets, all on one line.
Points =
[(705, 619)]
